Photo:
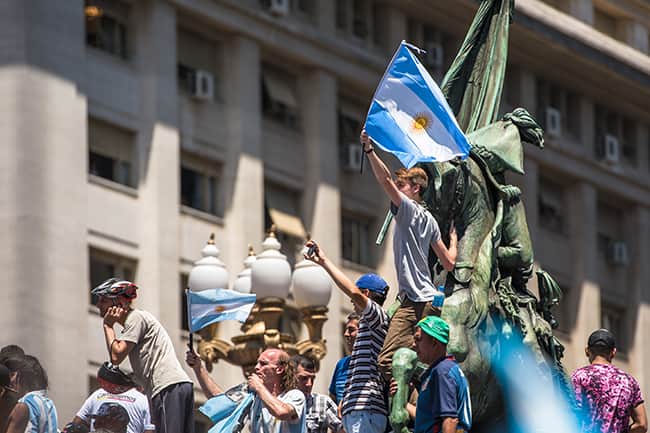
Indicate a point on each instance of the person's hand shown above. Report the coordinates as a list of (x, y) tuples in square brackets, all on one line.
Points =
[(193, 359), (453, 236), (393, 387), (255, 382), (317, 256), (365, 141), (115, 314)]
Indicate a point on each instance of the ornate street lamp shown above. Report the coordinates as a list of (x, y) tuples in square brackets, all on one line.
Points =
[(269, 276)]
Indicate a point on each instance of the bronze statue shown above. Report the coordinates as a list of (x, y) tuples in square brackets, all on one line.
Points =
[(486, 293)]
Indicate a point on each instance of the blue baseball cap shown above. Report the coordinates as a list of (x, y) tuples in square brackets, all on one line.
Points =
[(372, 282)]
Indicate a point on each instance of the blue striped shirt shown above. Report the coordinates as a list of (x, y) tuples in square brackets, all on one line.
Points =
[(42, 413)]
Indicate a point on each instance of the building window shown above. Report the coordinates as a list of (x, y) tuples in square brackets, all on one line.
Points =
[(199, 64), (107, 26), (355, 240), (558, 110), (104, 265), (282, 209), (111, 152), (611, 318), (606, 23), (349, 128), (616, 137), (356, 18), (436, 44), (200, 185), (279, 100), (551, 206)]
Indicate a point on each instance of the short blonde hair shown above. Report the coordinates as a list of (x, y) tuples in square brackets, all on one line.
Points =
[(415, 176)]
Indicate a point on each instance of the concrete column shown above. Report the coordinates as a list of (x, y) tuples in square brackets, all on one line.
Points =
[(634, 34), (582, 10), (640, 296), (321, 196), (43, 191), (243, 172), (396, 30), (585, 293), (158, 160), (587, 127)]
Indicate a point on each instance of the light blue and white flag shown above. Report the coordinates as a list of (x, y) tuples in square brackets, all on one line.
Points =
[(215, 305), (409, 116), (229, 410)]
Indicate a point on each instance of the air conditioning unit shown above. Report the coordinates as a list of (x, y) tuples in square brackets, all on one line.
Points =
[(279, 7), (203, 85), (353, 157), (553, 122), (435, 54), (612, 149), (617, 254)]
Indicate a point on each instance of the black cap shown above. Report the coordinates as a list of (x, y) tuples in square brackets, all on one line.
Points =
[(112, 374), (602, 338)]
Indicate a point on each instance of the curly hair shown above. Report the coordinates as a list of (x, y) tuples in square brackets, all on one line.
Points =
[(289, 377)]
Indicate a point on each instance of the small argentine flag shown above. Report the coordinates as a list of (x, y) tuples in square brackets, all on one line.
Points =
[(215, 305), (409, 116)]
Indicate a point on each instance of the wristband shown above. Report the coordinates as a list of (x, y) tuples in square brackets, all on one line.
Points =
[(372, 149)]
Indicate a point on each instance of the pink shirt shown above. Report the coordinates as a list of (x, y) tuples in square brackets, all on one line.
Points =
[(606, 396)]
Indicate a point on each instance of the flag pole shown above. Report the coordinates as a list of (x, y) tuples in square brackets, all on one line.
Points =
[(190, 343)]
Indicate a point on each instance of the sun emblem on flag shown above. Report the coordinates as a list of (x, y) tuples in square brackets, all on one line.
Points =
[(421, 122), (219, 309)]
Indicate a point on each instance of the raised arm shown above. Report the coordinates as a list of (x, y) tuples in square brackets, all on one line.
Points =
[(279, 409), (208, 386), (346, 285), (380, 170), (117, 349), (447, 256)]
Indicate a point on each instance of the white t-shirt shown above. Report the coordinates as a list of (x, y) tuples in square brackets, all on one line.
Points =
[(135, 403), (263, 422)]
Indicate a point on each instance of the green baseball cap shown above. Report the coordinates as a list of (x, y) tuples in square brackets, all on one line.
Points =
[(435, 327)]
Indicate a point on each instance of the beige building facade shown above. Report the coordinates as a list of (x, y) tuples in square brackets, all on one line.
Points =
[(129, 135)]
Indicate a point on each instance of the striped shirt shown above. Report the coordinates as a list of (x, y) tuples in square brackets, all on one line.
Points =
[(364, 389), (42, 413)]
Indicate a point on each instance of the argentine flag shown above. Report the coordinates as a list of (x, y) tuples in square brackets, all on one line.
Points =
[(409, 116), (214, 305)]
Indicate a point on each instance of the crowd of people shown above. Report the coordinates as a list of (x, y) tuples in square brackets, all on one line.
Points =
[(159, 396)]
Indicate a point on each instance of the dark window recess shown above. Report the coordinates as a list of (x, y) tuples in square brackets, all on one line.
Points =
[(277, 110), (107, 34), (550, 217), (355, 241), (349, 130), (198, 191), (186, 78), (102, 269), (360, 18), (109, 168), (342, 14)]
